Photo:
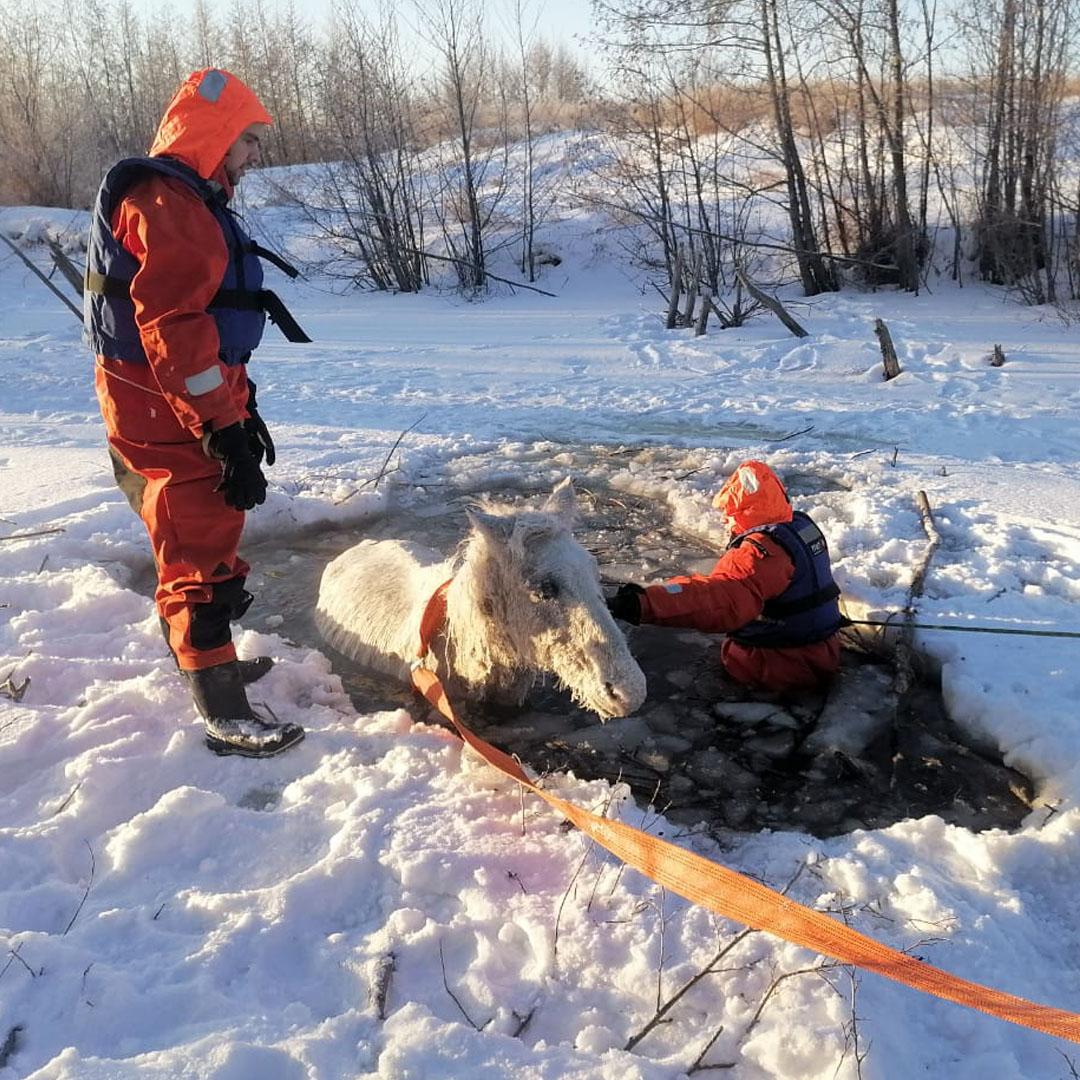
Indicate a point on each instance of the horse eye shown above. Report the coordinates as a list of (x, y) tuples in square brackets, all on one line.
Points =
[(548, 589)]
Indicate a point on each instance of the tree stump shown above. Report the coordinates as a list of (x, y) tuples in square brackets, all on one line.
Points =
[(888, 350)]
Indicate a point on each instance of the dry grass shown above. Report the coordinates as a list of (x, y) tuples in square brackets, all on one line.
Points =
[(817, 107)]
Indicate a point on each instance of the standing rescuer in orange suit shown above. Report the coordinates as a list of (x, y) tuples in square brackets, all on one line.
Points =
[(174, 306), (772, 592)]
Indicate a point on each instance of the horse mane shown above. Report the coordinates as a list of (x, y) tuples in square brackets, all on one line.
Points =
[(479, 607)]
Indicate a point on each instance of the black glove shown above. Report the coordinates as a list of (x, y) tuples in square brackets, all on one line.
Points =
[(242, 481), (626, 603), (259, 441)]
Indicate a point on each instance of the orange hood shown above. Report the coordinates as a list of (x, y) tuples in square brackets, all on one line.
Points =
[(205, 117), (753, 496)]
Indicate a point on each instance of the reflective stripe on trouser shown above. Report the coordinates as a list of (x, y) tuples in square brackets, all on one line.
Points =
[(194, 535)]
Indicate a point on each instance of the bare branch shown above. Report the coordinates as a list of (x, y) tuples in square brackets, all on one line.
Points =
[(29, 535), (453, 996), (86, 893)]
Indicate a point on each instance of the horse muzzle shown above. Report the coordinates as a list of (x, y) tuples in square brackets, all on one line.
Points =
[(621, 696)]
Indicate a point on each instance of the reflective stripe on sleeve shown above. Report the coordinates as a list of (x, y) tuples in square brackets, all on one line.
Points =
[(204, 382)]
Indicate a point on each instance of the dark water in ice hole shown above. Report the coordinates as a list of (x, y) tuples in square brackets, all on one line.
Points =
[(706, 752)]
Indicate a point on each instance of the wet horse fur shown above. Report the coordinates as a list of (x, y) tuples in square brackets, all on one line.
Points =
[(524, 599)]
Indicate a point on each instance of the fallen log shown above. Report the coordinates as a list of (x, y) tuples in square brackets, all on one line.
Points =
[(772, 304)]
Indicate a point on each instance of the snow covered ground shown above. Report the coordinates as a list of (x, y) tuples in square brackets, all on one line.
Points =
[(165, 913)]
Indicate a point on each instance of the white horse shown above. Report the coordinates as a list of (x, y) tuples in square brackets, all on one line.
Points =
[(525, 599)]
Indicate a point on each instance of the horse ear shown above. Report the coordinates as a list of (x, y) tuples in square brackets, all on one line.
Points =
[(495, 527), (563, 500)]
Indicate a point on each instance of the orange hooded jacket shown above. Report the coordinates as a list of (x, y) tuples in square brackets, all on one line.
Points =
[(736, 590), (182, 253)]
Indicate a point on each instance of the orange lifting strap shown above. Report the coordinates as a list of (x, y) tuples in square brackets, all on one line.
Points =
[(737, 897)]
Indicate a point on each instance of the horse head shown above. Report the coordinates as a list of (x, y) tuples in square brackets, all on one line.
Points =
[(538, 591)]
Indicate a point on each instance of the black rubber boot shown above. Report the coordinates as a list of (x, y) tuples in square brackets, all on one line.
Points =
[(232, 727), (250, 670), (254, 669)]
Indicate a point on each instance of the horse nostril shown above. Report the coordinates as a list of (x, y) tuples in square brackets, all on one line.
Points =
[(610, 690)]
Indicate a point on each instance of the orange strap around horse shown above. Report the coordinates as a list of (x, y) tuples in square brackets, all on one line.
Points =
[(740, 898)]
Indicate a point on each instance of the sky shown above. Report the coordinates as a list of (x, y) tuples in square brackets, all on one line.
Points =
[(165, 912), (558, 20)]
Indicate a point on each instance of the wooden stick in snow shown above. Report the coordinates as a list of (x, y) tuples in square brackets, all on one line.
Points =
[(486, 273), (66, 267), (29, 535), (43, 279), (692, 293), (380, 987), (904, 678), (919, 580)]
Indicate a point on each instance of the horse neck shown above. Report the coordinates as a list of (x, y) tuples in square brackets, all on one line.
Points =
[(479, 649)]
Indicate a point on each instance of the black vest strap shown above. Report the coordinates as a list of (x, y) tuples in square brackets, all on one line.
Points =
[(281, 317), (263, 300), (773, 609), (237, 299), (273, 257)]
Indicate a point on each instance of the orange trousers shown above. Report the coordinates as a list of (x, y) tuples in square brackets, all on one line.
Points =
[(169, 481), (803, 667)]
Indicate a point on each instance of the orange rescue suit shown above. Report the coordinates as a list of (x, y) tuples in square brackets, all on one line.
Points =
[(731, 596), (734, 594), (157, 413)]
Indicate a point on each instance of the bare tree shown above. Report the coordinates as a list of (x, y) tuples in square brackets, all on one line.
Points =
[(39, 151), (816, 274), (743, 45), (1030, 42), (367, 205), (523, 23), (207, 35), (455, 29), (638, 157), (863, 41)]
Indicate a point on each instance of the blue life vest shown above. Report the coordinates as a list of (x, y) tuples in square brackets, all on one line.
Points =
[(807, 610), (240, 305)]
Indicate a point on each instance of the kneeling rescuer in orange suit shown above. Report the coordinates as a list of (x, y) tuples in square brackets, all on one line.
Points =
[(772, 592), (174, 307)]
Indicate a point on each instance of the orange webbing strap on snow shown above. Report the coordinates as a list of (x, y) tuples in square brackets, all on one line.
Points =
[(744, 900)]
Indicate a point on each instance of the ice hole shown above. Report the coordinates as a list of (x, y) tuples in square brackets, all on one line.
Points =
[(703, 753)]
